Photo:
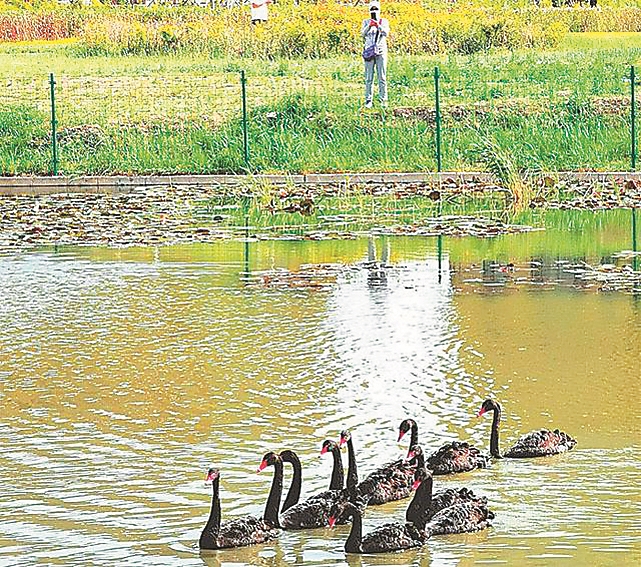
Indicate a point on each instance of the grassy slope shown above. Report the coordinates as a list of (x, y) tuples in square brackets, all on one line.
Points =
[(167, 114)]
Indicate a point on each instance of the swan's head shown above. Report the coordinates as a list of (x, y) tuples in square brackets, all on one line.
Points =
[(404, 427), (328, 446), (415, 452), (338, 510), (212, 474), (334, 512), (415, 456), (345, 437), (488, 405), (421, 475), (289, 456), (269, 460)]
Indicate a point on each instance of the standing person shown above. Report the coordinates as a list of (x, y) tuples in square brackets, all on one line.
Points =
[(258, 9), (375, 31)]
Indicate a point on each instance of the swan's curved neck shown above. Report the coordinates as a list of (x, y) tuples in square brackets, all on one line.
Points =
[(417, 511), (420, 461), (293, 494), (338, 475), (352, 471), (494, 437), (212, 527), (353, 543), (273, 500), (414, 434)]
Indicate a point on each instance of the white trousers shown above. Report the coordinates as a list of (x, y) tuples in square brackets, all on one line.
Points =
[(380, 62)]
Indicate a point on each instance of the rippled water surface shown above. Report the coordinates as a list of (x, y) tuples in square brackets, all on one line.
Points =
[(124, 374)]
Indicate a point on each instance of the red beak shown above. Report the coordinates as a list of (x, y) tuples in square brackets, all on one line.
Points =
[(323, 450), (331, 521), (400, 435), (209, 477), (342, 442), (262, 466), (481, 412), (410, 455), (416, 484)]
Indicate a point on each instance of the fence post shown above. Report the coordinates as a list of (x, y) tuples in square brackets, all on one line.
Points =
[(54, 124), (438, 118), (633, 120), (243, 82)]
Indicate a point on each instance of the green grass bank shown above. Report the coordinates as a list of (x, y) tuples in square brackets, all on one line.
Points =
[(566, 108)]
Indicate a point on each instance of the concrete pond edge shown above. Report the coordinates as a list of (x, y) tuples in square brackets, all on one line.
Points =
[(127, 184)]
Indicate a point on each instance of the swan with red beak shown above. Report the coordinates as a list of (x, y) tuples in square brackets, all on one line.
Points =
[(540, 443)]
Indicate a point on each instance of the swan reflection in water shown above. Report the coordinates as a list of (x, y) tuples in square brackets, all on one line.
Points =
[(376, 271), (260, 556), (416, 556)]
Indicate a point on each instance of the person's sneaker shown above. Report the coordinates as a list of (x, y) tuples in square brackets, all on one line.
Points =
[(368, 104), (383, 104)]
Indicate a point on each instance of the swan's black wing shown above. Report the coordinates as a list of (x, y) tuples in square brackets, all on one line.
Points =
[(456, 457), (460, 518), (452, 496), (541, 443), (314, 512), (245, 531), (392, 537), (389, 483)]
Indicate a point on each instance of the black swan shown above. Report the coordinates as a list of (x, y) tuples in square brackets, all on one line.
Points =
[(391, 482), (534, 444), (388, 537), (392, 536), (437, 501), (352, 470), (293, 494), (454, 457), (247, 530), (446, 511), (314, 512)]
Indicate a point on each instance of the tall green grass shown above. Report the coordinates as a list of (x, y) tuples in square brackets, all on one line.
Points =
[(20, 128), (553, 110), (300, 134)]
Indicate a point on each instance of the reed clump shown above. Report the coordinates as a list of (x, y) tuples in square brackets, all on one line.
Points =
[(502, 164)]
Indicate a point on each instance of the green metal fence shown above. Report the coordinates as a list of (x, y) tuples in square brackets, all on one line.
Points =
[(236, 122)]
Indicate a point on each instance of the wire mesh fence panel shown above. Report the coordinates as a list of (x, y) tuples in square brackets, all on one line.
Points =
[(552, 118), (320, 124), (150, 124), (25, 125), (494, 116)]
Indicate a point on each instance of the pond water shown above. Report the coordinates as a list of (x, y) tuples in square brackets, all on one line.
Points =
[(125, 373)]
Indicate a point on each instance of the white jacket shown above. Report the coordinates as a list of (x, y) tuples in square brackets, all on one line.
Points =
[(259, 12), (369, 34)]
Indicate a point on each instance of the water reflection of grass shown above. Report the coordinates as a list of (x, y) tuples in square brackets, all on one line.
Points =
[(568, 233), (353, 210)]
